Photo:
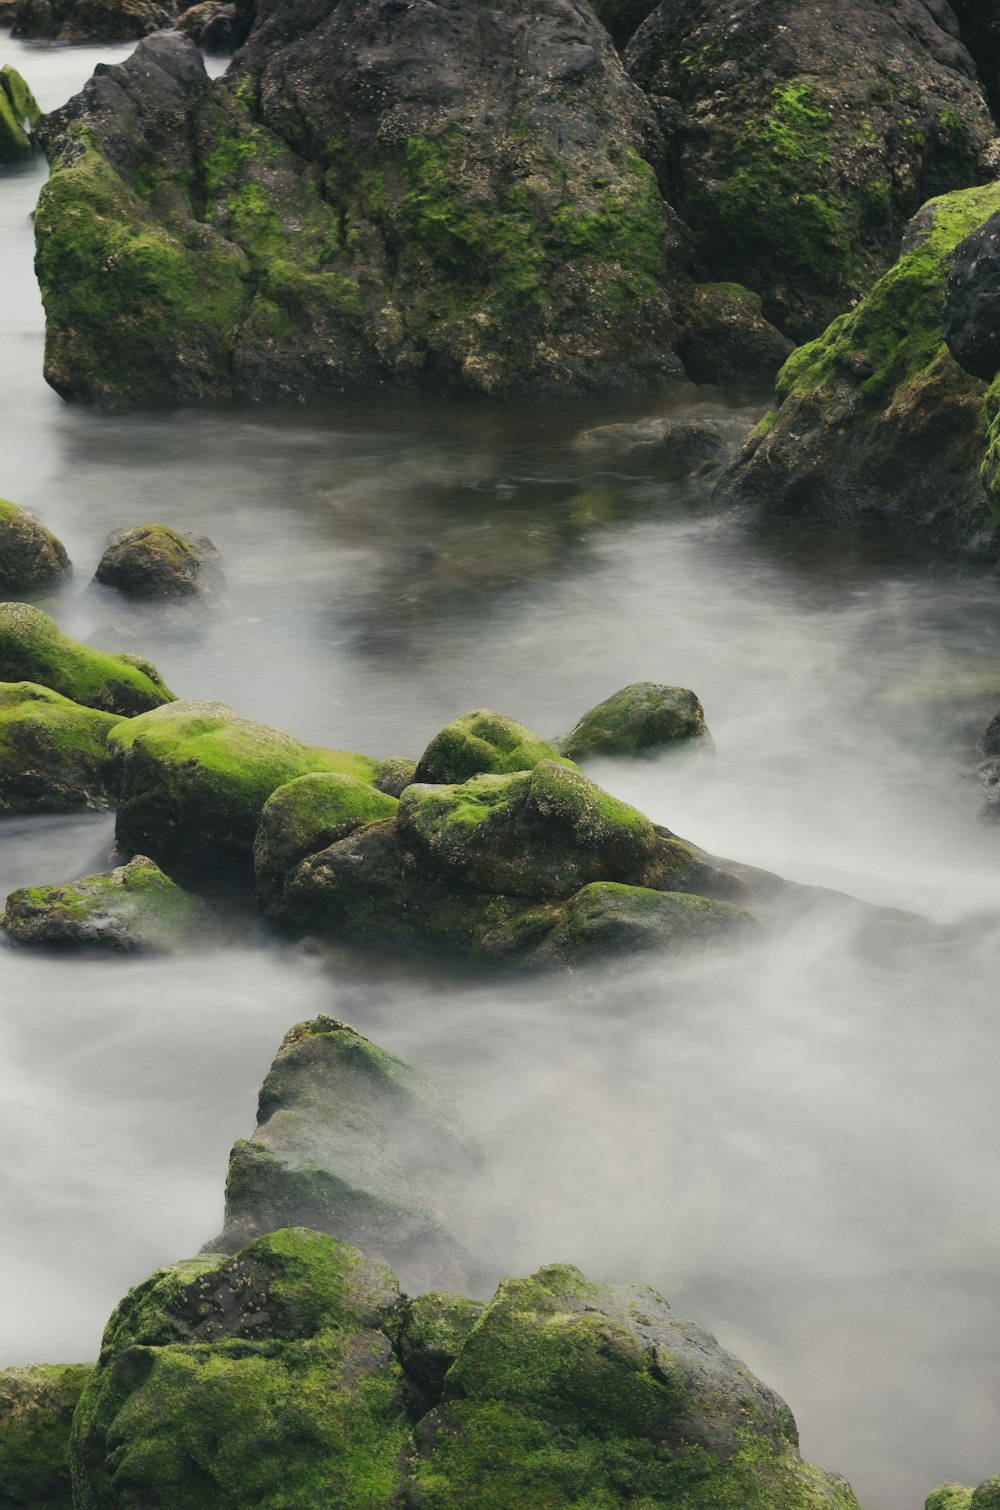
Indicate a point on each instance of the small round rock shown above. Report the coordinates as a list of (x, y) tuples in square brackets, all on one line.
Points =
[(30, 555), (155, 561)]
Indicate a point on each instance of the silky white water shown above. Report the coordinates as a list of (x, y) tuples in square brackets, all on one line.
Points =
[(797, 1143)]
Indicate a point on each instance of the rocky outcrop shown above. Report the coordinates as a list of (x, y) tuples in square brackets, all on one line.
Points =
[(430, 197), (19, 113), (36, 1413), (801, 138), (53, 753), (352, 1141), (30, 555), (877, 431), (34, 649), (89, 20), (134, 909), (155, 561), (644, 718)]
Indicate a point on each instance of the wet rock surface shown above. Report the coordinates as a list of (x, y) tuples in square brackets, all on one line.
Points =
[(89, 20), (155, 561), (30, 555)]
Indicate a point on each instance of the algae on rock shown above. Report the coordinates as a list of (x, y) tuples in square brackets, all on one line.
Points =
[(34, 649), (134, 909), (53, 753), (30, 555), (36, 1413), (19, 113)]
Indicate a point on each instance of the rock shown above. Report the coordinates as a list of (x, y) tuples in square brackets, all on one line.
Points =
[(725, 337), (154, 561), (30, 555), (979, 27), (36, 1412), (956, 1497), (435, 1329), (972, 302), (215, 26), (393, 775), (194, 777), (268, 1378), (134, 909), (878, 433), (305, 816), (53, 753), (569, 1392), (481, 741), (801, 138), (489, 220), (89, 20), (19, 113), (677, 445), (622, 17), (989, 740), (642, 719), (352, 1141), (33, 649)]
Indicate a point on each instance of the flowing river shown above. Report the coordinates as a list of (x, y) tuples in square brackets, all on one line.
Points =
[(796, 1143)]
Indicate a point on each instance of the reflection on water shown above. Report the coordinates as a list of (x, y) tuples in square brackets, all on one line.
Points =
[(797, 1144)]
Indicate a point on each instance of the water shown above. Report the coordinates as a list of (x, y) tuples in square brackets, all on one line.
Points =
[(797, 1144)]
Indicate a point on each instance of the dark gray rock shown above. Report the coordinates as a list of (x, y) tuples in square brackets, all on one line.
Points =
[(90, 20), (979, 26), (687, 446), (726, 338), (972, 307), (155, 561), (214, 25), (30, 555)]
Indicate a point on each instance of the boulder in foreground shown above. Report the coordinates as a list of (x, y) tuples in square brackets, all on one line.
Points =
[(34, 649)]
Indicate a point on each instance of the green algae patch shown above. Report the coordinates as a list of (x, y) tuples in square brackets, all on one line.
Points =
[(481, 741), (949, 1497), (307, 815), (53, 752), (36, 1413), (19, 112), (642, 719), (34, 649), (195, 777), (435, 1328)]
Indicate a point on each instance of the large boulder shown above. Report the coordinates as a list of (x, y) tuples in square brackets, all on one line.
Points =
[(19, 112), (877, 431), (194, 777), (53, 753), (429, 196), (155, 561), (90, 20), (478, 742), (34, 649), (30, 555), (351, 1140), (134, 909), (36, 1413), (801, 138), (644, 718)]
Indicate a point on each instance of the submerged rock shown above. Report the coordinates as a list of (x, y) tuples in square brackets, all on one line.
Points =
[(677, 445), (134, 909), (878, 432), (53, 753), (642, 719), (726, 338), (479, 742), (30, 555), (19, 113), (33, 649), (155, 561), (89, 20), (801, 138), (352, 1141), (36, 1413)]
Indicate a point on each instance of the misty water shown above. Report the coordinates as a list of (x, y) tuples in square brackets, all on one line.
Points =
[(796, 1143)]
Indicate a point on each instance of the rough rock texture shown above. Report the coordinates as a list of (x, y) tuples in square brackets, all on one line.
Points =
[(642, 719), (957, 1497), (53, 753), (622, 17), (36, 1412), (434, 1331), (979, 26), (307, 815), (672, 445), (802, 137), (878, 431), (351, 1140), (19, 113), (215, 26), (725, 338), (194, 777), (134, 909), (433, 196), (972, 302), (33, 649), (155, 561), (89, 20), (478, 742), (30, 555)]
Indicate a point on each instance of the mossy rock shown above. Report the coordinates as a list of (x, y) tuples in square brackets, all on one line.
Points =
[(34, 649), (30, 555), (877, 432), (194, 778), (569, 1393), (394, 774), (53, 752), (353, 1141), (725, 337), (477, 742), (644, 718), (134, 909), (36, 1413), (19, 113), (949, 1497), (987, 1496), (435, 1328), (305, 816), (155, 561), (266, 1379)]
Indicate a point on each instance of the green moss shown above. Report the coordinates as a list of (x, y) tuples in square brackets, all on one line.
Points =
[(949, 1497), (135, 908), (308, 814), (53, 753), (36, 1412), (991, 459), (481, 741), (19, 112), (33, 649), (642, 719)]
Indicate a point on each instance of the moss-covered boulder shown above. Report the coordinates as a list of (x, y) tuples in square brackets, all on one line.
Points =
[(435, 1328), (30, 555), (36, 1413), (305, 816), (134, 909), (155, 561), (800, 139), (353, 1141), (958, 1497), (53, 753), (725, 337), (877, 431), (507, 235), (34, 649), (642, 719), (194, 777), (90, 20), (19, 113), (266, 1379), (569, 1393), (477, 742)]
